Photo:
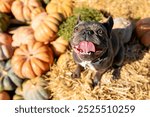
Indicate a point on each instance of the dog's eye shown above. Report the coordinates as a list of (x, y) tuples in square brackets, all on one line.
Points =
[(75, 29), (99, 31)]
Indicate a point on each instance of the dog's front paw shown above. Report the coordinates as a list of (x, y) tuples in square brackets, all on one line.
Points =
[(95, 82), (75, 75), (116, 73), (96, 79), (77, 72)]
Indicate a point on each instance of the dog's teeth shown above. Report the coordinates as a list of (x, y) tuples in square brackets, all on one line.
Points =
[(81, 52), (85, 53), (89, 53)]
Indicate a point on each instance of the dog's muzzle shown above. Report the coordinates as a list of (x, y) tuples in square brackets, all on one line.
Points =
[(87, 48), (84, 47)]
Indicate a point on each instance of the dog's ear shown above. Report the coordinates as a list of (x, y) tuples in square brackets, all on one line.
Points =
[(109, 24), (79, 19)]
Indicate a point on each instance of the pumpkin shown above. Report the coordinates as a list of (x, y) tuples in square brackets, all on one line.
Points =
[(5, 6), (6, 50), (143, 31), (4, 96), (22, 35), (18, 94), (46, 26), (59, 46), (4, 22), (63, 60), (145, 40), (33, 89), (31, 60), (24, 10), (8, 80), (37, 11), (64, 7)]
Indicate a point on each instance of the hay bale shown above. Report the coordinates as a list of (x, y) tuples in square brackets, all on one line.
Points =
[(120, 8)]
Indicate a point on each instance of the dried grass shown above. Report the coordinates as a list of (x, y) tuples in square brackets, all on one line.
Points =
[(119, 8)]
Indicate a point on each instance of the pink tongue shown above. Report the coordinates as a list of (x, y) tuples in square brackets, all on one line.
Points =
[(86, 46)]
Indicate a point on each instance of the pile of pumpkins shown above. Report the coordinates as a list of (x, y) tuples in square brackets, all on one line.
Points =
[(29, 44)]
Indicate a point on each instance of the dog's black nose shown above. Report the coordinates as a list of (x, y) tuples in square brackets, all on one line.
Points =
[(87, 33), (90, 32)]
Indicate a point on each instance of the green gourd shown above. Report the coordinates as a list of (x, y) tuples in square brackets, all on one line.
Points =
[(4, 22), (8, 80), (18, 94), (33, 89)]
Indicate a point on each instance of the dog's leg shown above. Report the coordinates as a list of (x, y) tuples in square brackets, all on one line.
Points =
[(117, 64), (77, 72), (116, 72), (97, 78)]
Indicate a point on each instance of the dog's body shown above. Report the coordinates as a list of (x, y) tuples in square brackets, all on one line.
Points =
[(98, 47)]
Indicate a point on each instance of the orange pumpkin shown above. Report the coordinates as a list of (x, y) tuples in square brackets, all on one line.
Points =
[(63, 60), (5, 6), (59, 45), (22, 35), (31, 60), (46, 26), (24, 10), (143, 31), (6, 50), (145, 40), (37, 11), (4, 96), (62, 6)]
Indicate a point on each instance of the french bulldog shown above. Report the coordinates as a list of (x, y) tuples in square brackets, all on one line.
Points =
[(98, 46)]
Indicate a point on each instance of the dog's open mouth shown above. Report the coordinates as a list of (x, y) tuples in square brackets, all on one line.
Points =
[(86, 48)]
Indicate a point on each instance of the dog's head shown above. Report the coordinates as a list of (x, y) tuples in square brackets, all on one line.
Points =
[(90, 39)]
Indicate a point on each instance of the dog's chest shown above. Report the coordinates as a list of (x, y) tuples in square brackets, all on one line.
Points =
[(87, 64)]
